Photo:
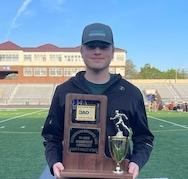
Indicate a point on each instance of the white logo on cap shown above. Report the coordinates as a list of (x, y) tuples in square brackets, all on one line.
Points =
[(97, 33)]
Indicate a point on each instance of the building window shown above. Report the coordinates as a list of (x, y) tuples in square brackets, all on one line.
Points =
[(9, 57), (27, 71), (39, 57), (27, 58), (55, 58), (72, 58), (40, 71), (72, 71), (55, 71), (119, 57)]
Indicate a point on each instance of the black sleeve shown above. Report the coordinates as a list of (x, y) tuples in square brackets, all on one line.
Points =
[(142, 137), (53, 131)]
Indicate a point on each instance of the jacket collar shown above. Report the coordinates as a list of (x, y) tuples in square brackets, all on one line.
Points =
[(79, 79)]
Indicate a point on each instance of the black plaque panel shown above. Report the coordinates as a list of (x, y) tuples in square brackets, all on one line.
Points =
[(84, 140)]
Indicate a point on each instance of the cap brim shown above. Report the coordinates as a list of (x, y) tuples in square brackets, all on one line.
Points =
[(88, 41)]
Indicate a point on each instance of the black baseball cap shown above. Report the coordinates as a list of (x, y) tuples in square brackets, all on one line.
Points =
[(97, 32)]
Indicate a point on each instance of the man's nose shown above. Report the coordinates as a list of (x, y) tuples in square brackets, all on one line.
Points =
[(97, 50)]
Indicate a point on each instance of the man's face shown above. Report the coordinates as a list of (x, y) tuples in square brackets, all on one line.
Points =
[(97, 55)]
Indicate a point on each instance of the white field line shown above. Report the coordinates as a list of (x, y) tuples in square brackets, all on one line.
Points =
[(17, 132), (17, 108), (169, 130), (27, 114), (173, 123)]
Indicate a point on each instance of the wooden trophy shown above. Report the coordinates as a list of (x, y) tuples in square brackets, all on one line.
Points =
[(84, 139)]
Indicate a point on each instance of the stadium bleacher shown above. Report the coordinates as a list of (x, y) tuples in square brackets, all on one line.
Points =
[(41, 94), (182, 89), (168, 90), (5, 92), (26, 94), (165, 90)]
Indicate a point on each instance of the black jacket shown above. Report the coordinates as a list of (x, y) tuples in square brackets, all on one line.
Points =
[(122, 96)]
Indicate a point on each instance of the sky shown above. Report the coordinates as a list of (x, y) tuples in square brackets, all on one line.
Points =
[(152, 32)]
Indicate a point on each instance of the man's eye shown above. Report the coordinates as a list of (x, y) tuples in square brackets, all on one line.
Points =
[(98, 46), (103, 46), (91, 46)]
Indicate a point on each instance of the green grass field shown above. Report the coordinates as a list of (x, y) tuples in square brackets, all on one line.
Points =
[(22, 152)]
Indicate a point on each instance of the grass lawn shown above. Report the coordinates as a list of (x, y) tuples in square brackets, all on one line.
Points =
[(22, 152)]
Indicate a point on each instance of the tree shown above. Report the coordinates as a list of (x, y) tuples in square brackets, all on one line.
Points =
[(149, 72), (130, 70), (170, 74)]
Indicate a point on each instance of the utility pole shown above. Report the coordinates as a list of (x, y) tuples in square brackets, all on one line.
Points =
[(176, 74)]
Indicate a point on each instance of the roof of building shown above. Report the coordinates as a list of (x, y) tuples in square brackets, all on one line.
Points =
[(43, 48), (9, 46)]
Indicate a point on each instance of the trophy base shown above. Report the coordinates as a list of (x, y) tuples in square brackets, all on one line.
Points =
[(118, 171), (84, 174)]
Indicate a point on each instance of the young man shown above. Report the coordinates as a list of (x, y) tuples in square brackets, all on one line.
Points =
[(97, 52)]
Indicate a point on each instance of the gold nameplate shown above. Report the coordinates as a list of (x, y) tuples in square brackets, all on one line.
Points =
[(85, 113)]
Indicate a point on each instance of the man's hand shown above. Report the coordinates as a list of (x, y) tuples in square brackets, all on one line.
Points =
[(133, 168), (57, 169)]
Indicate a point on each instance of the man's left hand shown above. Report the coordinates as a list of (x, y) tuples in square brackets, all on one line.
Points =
[(133, 169)]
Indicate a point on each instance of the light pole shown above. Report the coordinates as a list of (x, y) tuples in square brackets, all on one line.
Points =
[(176, 74)]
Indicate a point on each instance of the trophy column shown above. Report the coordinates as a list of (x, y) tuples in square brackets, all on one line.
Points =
[(84, 139)]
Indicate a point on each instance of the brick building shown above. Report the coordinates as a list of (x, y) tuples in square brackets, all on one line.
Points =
[(46, 63)]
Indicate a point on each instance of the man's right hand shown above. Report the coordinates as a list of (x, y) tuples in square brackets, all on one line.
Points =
[(57, 169)]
